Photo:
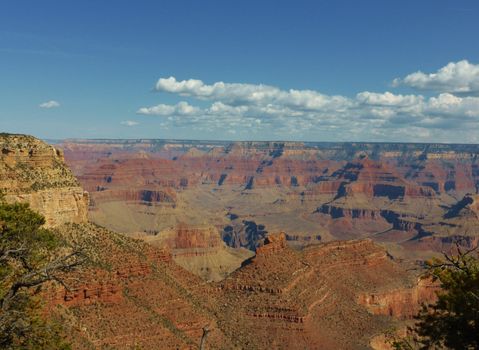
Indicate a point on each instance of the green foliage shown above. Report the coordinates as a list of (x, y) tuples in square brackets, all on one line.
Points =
[(21, 235), (453, 321), (28, 258), (28, 329)]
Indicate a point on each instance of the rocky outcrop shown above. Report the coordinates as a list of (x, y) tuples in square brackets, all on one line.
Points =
[(272, 244), (314, 291), (33, 172), (58, 205), (243, 233), (200, 250), (402, 303), (186, 237)]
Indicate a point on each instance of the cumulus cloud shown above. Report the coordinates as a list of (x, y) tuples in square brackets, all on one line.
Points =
[(388, 99), (463, 108), (238, 93), (456, 77), (129, 123), (49, 104), (257, 108), (181, 108)]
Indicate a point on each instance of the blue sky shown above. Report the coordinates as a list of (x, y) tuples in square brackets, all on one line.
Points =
[(292, 70)]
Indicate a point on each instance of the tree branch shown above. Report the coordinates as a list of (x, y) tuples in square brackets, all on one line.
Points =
[(44, 274), (11, 252)]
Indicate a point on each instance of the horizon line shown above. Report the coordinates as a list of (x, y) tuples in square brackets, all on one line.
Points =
[(257, 141)]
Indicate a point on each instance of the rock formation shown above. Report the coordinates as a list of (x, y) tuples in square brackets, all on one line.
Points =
[(200, 250), (34, 172), (131, 294), (316, 298), (401, 303), (392, 193)]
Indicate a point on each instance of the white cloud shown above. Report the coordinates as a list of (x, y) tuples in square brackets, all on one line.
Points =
[(250, 108), (49, 104), (454, 106), (456, 77), (129, 123), (388, 99), (239, 93), (181, 108), (221, 108)]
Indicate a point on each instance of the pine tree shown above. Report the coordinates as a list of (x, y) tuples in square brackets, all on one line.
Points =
[(29, 257), (452, 322)]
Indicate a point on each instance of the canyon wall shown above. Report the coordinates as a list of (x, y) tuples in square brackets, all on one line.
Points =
[(401, 303), (392, 193), (35, 173), (335, 295)]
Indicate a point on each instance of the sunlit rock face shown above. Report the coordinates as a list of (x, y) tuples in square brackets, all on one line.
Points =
[(393, 193), (159, 294), (33, 172)]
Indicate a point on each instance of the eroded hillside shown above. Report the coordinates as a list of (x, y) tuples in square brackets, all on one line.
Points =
[(134, 295)]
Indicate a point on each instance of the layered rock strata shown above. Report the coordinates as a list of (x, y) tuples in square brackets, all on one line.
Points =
[(132, 294), (393, 193), (34, 172)]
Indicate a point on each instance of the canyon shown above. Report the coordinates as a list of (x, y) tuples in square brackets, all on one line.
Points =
[(407, 197), (268, 245)]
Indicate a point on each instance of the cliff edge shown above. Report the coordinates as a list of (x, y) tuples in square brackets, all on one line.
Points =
[(35, 172)]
